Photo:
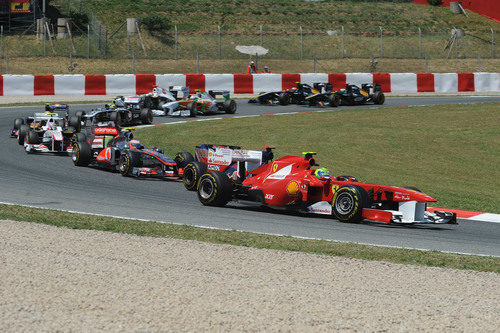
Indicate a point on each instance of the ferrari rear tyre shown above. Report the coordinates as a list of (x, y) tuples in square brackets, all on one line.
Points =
[(33, 137), (230, 106), (284, 99), (18, 122), (192, 173), (82, 154), (193, 110), (334, 100), (75, 122), (146, 116), (348, 203), (183, 158), (379, 98), (215, 189), (21, 136)]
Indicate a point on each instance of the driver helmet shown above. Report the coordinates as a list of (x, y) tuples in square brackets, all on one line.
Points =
[(322, 174), (112, 106)]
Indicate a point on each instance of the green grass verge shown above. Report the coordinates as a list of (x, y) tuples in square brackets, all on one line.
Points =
[(154, 229), (450, 152)]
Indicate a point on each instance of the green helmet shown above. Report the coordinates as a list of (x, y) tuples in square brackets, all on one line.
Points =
[(322, 173)]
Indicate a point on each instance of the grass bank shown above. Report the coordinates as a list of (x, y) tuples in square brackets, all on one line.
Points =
[(59, 65), (450, 152), (349, 250)]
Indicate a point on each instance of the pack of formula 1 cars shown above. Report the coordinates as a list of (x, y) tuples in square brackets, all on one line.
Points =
[(223, 173)]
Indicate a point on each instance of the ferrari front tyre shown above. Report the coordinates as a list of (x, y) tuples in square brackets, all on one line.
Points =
[(284, 99), (334, 100), (183, 158), (18, 122), (82, 154), (21, 135), (348, 203), (230, 106), (146, 116), (193, 110), (215, 189), (75, 122), (33, 137), (192, 173)]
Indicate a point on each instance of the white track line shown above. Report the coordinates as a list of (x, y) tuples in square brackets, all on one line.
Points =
[(253, 232)]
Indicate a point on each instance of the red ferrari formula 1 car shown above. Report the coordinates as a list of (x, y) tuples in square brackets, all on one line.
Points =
[(293, 183)]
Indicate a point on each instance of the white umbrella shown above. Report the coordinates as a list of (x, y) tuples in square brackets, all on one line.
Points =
[(252, 49)]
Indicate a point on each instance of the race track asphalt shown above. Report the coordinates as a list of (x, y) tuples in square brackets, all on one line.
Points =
[(53, 182)]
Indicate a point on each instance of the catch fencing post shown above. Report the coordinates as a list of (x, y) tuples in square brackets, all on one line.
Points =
[(197, 63), (419, 43), (219, 50), (1, 42), (314, 63), (479, 63), (381, 43), (175, 27), (492, 43), (426, 63), (7, 63), (342, 52), (301, 44), (88, 41), (44, 37), (261, 41), (133, 62)]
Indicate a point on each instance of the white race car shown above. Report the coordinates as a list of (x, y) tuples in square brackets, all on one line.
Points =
[(48, 133)]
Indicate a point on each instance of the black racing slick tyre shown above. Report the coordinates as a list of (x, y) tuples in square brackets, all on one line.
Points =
[(230, 106), (215, 189), (75, 122), (193, 110), (116, 118), (413, 188), (183, 158), (334, 100), (146, 116), (21, 135), (79, 137), (33, 138), (348, 203), (284, 99), (192, 173), (79, 114), (128, 161), (82, 154), (18, 122), (379, 98)]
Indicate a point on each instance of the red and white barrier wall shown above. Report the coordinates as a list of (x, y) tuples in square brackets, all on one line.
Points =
[(129, 84)]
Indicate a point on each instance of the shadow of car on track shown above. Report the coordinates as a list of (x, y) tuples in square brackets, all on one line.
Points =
[(250, 207)]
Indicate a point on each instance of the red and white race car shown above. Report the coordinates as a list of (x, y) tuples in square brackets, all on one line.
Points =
[(293, 183)]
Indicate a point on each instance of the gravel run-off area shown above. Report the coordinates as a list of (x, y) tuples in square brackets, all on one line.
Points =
[(58, 279)]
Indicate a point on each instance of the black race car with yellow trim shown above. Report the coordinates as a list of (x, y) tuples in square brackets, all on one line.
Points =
[(354, 95), (296, 95)]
